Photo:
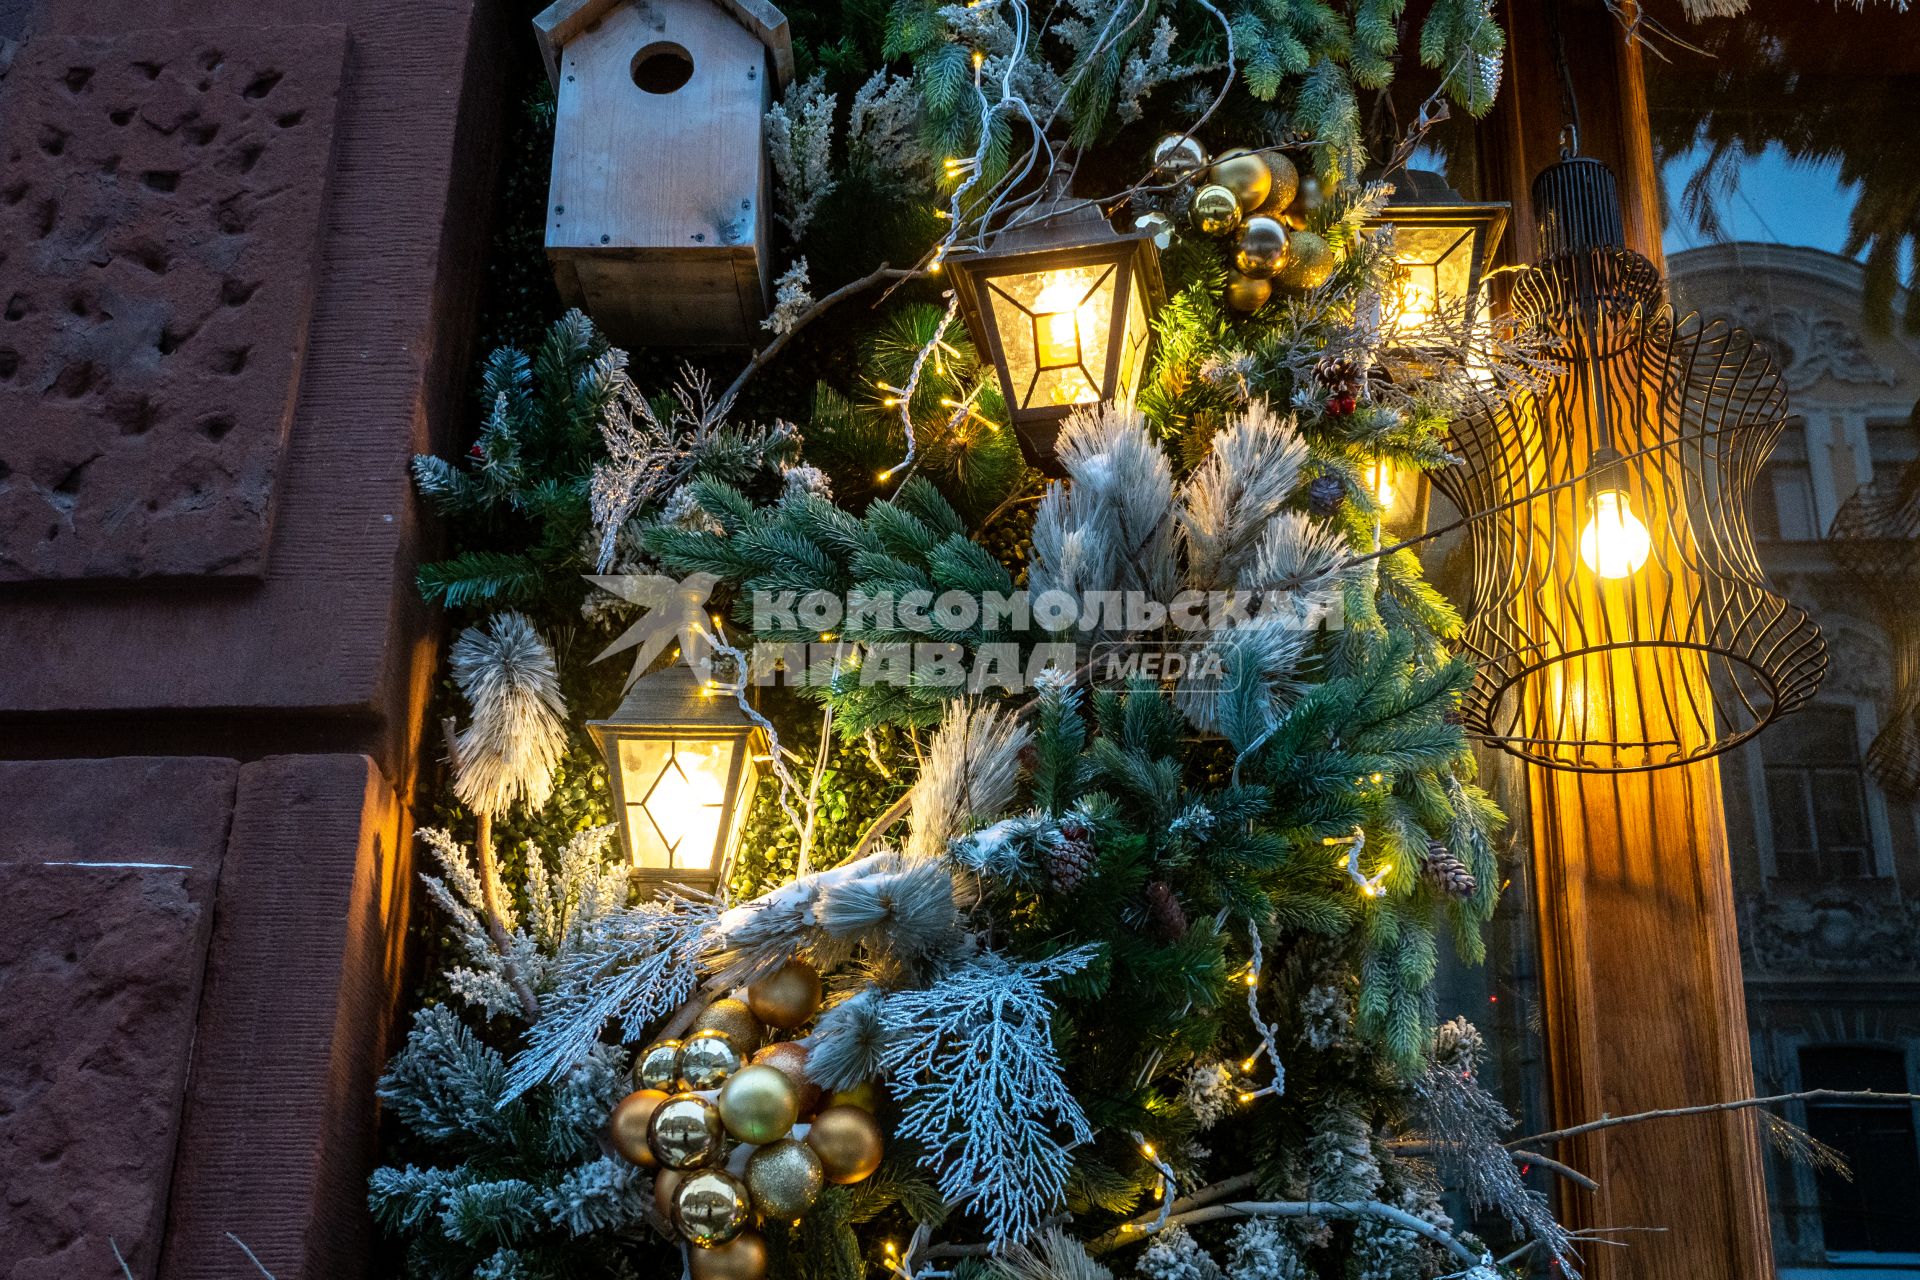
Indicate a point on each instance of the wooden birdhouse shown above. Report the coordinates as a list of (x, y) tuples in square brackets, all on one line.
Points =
[(657, 216)]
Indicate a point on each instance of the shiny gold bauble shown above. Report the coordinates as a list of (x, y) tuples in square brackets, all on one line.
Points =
[(785, 1178), (658, 1066), (1309, 262), (711, 1207), (733, 1017), (759, 1105), (708, 1060), (627, 1126), (1306, 201), (848, 1142), (665, 1183), (789, 1058), (686, 1132), (1262, 248), (1179, 156), (787, 997), (1244, 174), (742, 1258), (1215, 210), (1285, 183), (865, 1095), (1246, 294)]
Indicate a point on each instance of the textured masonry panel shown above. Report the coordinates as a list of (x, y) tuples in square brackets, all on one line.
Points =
[(162, 198), (107, 874)]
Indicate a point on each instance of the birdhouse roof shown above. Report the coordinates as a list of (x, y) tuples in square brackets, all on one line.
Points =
[(562, 20)]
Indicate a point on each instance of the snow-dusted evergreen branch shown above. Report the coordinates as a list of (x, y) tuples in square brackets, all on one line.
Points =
[(972, 766), (634, 966), (972, 1062)]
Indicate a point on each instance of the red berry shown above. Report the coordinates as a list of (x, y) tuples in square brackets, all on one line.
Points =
[(1341, 406), (477, 452)]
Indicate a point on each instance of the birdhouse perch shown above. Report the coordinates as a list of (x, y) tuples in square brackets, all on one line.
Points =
[(657, 215)]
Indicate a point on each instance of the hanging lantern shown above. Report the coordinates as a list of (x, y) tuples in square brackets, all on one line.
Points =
[(681, 759), (1620, 617), (1443, 245), (1875, 539), (1061, 304)]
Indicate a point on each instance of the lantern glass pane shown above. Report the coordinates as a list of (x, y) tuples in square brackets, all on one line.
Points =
[(675, 791), (1133, 346), (1054, 326), (1436, 271)]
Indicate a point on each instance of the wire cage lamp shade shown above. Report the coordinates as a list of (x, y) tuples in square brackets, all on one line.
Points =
[(1875, 539), (1621, 620)]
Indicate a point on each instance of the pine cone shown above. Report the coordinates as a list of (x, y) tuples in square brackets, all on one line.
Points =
[(1340, 377), (1070, 858), (1325, 494), (1164, 914), (1445, 872)]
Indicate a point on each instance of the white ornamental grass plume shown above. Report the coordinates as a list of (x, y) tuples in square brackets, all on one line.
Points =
[(1110, 527), (973, 765), (1052, 1255), (1226, 504), (509, 749)]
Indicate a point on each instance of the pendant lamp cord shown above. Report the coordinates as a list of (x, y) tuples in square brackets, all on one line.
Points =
[(1569, 103)]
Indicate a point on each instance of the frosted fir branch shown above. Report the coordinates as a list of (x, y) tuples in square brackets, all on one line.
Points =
[(972, 1062), (792, 299), (972, 768), (634, 967), (604, 1195), (1463, 1128), (1111, 527), (445, 1084), (799, 132), (508, 750)]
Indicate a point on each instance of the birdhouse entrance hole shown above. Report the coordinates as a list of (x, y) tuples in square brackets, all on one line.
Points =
[(662, 67)]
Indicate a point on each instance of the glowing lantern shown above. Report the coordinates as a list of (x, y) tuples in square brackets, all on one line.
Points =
[(1442, 245), (681, 760), (1060, 302)]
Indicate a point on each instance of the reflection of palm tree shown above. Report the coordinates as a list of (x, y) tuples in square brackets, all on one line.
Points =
[(1824, 88)]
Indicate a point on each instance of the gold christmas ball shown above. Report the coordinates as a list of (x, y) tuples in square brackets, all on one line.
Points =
[(742, 1258), (1215, 210), (665, 1183), (1307, 199), (1244, 174), (708, 1060), (865, 1095), (785, 1178), (711, 1207), (1285, 183), (733, 1017), (1179, 156), (789, 1058), (627, 1126), (759, 1105), (1263, 247), (1309, 262), (848, 1142), (787, 997), (686, 1132), (1246, 294), (658, 1066)]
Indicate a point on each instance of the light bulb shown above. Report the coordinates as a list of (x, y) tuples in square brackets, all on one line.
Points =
[(1058, 320), (1614, 544), (1380, 480)]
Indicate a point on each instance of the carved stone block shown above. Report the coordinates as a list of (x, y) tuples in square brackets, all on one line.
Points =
[(161, 206)]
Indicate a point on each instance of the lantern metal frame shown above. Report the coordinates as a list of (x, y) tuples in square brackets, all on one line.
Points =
[(1692, 653), (1875, 539), (1423, 201), (674, 705), (1075, 235)]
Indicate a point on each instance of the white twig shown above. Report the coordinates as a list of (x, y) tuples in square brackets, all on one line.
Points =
[(250, 1255)]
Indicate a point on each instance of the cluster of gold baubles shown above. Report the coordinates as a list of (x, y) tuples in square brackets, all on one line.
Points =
[(1261, 200), (719, 1116)]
